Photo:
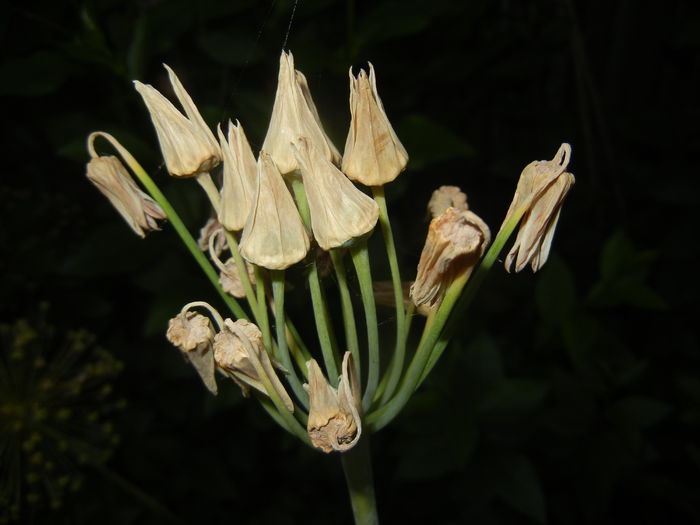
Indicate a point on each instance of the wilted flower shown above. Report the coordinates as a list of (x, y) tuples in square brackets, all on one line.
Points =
[(339, 211), (212, 228), (444, 197), (373, 153), (294, 115), (193, 334), (456, 240), (188, 145), (237, 350), (114, 181), (230, 279), (542, 186), (274, 236), (238, 188)]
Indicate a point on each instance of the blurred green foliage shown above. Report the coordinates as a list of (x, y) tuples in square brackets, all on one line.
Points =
[(569, 397)]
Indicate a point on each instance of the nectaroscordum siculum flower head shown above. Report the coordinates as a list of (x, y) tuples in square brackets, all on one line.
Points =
[(188, 145)]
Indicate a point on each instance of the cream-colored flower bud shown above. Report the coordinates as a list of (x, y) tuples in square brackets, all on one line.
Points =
[(193, 334), (334, 417), (188, 145), (444, 197), (238, 188), (294, 115), (230, 279), (274, 236), (455, 243), (339, 211), (373, 153), (542, 187), (114, 182), (236, 350)]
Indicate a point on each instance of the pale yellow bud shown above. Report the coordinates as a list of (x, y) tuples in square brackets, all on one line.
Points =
[(114, 182), (456, 240), (188, 145), (238, 188), (444, 197), (193, 334), (339, 211), (274, 236), (373, 153), (236, 350), (294, 115), (542, 187), (334, 417)]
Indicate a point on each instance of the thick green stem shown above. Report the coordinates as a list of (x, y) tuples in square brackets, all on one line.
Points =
[(360, 258), (357, 464), (283, 349), (396, 364), (348, 312)]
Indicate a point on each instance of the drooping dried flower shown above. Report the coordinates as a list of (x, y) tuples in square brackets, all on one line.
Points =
[(542, 187), (339, 211), (212, 228), (444, 197), (114, 182), (236, 350), (193, 334), (456, 240), (188, 145), (274, 236), (230, 279), (294, 115), (334, 417), (373, 153), (238, 188)]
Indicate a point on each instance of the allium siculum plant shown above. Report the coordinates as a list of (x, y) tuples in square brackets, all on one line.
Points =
[(300, 202)]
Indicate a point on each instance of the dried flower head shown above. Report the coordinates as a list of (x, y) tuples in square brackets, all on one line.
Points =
[(188, 145), (230, 279), (444, 197), (294, 115), (456, 240), (240, 353), (193, 334), (542, 187), (238, 188), (114, 182), (373, 153), (339, 211), (334, 417), (274, 236)]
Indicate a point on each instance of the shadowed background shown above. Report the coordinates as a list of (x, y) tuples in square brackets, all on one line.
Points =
[(569, 397)]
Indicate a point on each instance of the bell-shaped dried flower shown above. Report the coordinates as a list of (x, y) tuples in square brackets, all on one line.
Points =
[(294, 115), (444, 197), (542, 187), (238, 348), (238, 188), (230, 279), (193, 334), (373, 153), (114, 181), (274, 236), (455, 243), (334, 417), (339, 211), (188, 145)]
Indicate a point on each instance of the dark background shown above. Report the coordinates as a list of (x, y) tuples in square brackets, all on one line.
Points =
[(569, 397)]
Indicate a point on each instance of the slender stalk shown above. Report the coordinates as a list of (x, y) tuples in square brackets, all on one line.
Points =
[(283, 349), (346, 304), (357, 465), (396, 364), (175, 221), (263, 319), (360, 258)]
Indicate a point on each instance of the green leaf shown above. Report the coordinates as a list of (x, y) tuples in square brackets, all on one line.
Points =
[(429, 142), (555, 295), (513, 398), (518, 484), (35, 75)]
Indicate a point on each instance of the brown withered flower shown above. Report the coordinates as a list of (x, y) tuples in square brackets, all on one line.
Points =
[(444, 197), (456, 241), (334, 417), (542, 187), (193, 334), (373, 153), (230, 279), (113, 180)]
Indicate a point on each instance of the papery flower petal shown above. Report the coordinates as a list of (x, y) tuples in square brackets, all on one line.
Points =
[(230, 280), (239, 176), (193, 334)]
